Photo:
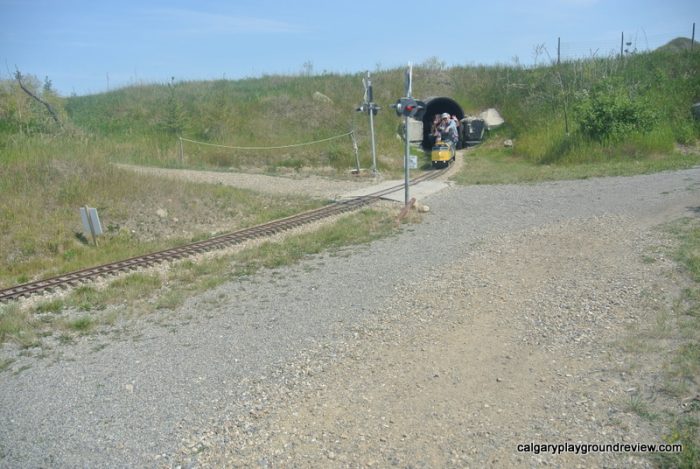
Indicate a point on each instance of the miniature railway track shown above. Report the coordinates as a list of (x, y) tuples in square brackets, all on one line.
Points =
[(218, 242)]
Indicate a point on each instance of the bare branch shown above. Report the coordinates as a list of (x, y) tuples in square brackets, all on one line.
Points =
[(18, 77)]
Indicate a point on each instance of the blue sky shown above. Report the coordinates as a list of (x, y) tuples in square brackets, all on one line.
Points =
[(91, 46)]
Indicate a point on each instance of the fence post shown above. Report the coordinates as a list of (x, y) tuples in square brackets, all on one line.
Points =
[(622, 45), (354, 147), (182, 152), (558, 50), (692, 39)]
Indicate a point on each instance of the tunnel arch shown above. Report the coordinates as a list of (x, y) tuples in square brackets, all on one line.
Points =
[(438, 105)]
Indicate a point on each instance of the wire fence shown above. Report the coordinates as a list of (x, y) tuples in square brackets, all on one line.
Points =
[(626, 42), (181, 147)]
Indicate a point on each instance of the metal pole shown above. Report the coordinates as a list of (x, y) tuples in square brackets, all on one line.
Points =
[(371, 131), (409, 86), (405, 160), (622, 44), (357, 154), (558, 50)]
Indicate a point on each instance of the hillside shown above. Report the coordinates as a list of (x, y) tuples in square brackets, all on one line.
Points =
[(602, 103), (678, 44)]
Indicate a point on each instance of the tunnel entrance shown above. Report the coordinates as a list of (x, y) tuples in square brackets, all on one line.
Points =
[(438, 105)]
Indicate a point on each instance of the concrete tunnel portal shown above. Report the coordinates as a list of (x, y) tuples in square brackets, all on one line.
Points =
[(438, 105)]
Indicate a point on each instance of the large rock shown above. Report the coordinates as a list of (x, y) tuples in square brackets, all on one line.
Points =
[(492, 118)]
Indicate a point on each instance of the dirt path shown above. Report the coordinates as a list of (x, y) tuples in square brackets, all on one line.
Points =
[(314, 186), (519, 343)]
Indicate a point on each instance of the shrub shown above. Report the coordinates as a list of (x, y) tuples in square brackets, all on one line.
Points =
[(612, 111)]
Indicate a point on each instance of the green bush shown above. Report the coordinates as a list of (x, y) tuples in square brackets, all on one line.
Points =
[(612, 111)]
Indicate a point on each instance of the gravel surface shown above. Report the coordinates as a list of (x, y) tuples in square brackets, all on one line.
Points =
[(492, 323), (295, 183)]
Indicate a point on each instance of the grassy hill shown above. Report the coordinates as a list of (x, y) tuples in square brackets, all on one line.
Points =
[(584, 112), (678, 44), (645, 99)]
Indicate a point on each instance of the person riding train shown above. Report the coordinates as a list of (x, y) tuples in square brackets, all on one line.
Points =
[(446, 130)]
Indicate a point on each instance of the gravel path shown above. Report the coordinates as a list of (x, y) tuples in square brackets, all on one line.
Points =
[(492, 323), (311, 185)]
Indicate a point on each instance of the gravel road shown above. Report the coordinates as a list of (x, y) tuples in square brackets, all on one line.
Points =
[(494, 322)]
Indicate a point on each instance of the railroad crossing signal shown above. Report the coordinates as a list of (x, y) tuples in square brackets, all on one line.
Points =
[(409, 107)]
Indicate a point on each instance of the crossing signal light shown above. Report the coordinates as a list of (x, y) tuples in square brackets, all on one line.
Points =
[(409, 107)]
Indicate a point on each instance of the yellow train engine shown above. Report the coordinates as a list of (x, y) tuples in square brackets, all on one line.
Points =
[(441, 154)]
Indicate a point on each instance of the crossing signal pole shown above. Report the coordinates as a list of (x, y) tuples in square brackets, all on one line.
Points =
[(408, 107), (370, 108)]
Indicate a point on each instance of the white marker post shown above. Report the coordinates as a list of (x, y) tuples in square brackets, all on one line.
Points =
[(91, 222)]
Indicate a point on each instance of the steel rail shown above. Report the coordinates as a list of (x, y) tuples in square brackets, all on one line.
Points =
[(217, 242)]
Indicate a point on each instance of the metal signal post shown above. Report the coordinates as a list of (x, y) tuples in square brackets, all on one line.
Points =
[(408, 107), (370, 108), (407, 149)]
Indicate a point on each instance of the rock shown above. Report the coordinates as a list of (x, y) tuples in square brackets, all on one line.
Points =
[(162, 213), (321, 98), (508, 143), (492, 118), (422, 208)]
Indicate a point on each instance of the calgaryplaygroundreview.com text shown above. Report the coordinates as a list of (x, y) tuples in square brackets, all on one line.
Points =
[(586, 448)]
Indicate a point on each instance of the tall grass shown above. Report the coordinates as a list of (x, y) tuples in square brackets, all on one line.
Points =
[(45, 180)]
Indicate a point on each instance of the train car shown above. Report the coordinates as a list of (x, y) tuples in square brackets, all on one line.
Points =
[(441, 154)]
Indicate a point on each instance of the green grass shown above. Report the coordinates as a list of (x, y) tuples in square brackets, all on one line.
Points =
[(494, 165), (639, 406), (45, 181), (682, 369)]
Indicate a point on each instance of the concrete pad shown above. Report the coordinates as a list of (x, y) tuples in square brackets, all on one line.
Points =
[(419, 191)]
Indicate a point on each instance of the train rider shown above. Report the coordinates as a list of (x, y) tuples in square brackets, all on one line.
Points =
[(448, 130), (435, 129)]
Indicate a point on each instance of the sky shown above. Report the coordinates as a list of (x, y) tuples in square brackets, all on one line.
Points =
[(92, 46)]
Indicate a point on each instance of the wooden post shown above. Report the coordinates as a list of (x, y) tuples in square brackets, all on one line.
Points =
[(182, 153)]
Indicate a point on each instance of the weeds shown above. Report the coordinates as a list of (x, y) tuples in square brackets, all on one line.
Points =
[(682, 368), (640, 407)]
